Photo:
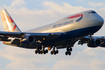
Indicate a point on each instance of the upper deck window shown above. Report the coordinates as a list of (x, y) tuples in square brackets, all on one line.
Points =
[(92, 12)]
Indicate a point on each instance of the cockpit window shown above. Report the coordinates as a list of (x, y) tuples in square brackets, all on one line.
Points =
[(92, 12)]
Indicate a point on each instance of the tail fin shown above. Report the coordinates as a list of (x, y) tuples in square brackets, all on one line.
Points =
[(8, 23)]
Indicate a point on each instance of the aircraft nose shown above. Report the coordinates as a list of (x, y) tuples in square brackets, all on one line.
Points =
[(100, 20)]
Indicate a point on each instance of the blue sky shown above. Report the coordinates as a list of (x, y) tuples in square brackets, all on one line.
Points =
[(30, 14), (37, 4)]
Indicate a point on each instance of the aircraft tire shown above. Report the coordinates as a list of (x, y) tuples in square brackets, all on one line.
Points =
[(54, 52), (46, 51), (36, 51), (66, 53), (51, 52), (39, 52), (57, 51), (69, 53)]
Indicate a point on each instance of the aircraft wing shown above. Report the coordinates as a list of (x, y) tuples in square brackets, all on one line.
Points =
[(18, 34), (10, 34), (6, 35)]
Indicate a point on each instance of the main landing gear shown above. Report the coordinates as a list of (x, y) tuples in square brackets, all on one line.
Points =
[(68, 52), (54, 51), (39, 51)]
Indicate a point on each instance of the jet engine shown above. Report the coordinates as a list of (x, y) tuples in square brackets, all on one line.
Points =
[(28, 39), (102, 43), (94, 43)]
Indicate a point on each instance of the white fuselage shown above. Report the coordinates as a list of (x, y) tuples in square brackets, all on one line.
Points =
[(85, 19)]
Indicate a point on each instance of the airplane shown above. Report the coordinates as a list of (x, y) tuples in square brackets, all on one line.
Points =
[(79, 27)]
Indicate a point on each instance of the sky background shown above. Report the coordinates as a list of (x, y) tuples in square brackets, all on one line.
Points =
[(30, 14)]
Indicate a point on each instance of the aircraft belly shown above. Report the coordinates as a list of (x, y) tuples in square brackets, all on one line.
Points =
[(79, 33), (73, 36)]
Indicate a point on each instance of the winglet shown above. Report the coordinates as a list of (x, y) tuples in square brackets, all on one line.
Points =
[(8, 23)]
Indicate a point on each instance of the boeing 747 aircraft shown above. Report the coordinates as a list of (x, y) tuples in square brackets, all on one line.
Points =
[(61, 34)]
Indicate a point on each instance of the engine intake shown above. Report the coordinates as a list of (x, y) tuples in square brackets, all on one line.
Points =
[(28, 39), (31, 39), (94, 43)]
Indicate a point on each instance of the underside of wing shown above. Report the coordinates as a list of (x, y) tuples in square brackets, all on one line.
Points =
[(26, 39)]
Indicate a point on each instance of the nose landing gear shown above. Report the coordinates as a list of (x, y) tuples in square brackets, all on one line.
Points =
[(68, 52)]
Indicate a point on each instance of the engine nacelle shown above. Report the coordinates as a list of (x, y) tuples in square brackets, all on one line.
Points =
[(102, 43), (28, 39), (94, 43)]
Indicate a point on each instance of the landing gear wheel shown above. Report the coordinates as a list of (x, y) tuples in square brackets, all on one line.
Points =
[(57, 51), (54, 51), (66, 53), (51, 52), (36, 51), (39, 52), (46, 51), (69, 53)]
